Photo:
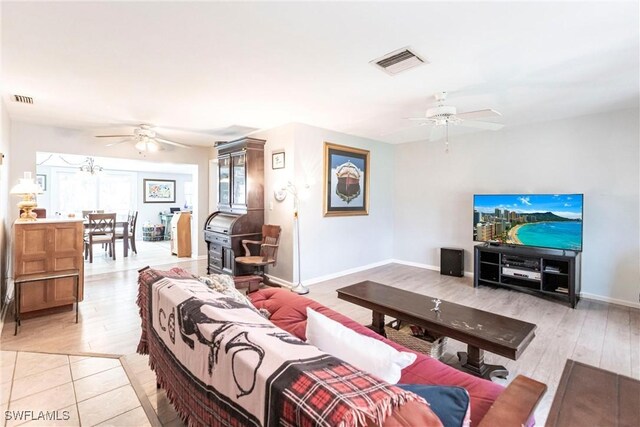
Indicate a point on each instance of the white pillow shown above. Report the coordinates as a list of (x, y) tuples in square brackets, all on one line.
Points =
[(366, 353)]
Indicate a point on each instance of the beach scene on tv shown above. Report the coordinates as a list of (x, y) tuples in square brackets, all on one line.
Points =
[(543, 220)]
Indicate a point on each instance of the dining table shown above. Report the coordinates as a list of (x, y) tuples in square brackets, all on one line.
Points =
[(124, 223)]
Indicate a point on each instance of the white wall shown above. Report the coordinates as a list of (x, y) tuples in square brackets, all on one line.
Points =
[(280, 213), (330, 245), (27, 139), (333, 244), (6, 203), (595, 155)]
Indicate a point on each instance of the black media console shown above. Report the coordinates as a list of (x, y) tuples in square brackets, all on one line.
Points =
[(554, 273)]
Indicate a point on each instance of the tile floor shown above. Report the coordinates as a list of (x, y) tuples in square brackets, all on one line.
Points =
[(74, 390)]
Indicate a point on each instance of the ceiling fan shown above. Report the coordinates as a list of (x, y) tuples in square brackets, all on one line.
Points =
[(145, 138), (444, 115)]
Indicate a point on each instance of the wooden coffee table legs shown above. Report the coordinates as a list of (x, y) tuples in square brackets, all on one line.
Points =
[(472, 362), (377, 322)]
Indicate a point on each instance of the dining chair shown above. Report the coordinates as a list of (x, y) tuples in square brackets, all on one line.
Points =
[(132, 219), (100, 230), (85, 214)]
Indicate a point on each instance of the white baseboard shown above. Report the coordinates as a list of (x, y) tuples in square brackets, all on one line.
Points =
[(279, 281), (425, 266), (319, 279), (315, 280), (610, 300)]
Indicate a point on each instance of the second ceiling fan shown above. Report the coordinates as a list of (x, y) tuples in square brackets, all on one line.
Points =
[(442, 116)]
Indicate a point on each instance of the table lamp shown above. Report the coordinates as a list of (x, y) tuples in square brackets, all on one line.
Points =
[(27, 188)]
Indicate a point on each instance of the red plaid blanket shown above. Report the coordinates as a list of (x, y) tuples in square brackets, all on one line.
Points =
[(222, 364)]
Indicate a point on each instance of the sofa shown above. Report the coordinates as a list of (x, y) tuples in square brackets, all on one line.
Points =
[(194, 331), (288, 312)]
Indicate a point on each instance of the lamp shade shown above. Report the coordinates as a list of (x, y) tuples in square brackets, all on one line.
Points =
[(26, 185)]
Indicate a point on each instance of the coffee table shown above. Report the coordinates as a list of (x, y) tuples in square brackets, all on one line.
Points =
[(480, 330)]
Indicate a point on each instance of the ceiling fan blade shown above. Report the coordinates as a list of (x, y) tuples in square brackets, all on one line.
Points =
[(418, 118), (114, 136), (166, 141), (480, 125), (479, 114), (117, 143)]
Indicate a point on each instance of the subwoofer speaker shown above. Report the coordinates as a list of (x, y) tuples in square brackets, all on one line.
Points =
[(452, 262)]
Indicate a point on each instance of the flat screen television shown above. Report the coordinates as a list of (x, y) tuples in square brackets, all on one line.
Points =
[(540, 220)]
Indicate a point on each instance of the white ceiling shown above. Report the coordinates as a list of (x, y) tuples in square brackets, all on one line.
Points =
[(203, 67)]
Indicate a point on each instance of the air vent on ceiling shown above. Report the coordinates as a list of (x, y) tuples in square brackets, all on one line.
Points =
[(23, 99), (399, 60)]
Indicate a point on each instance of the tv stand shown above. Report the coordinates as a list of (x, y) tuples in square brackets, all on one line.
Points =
[(545, 272)]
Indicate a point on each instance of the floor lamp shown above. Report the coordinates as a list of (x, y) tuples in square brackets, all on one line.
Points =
[(299, 288)]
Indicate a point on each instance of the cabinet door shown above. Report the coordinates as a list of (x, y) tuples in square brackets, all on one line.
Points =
[(239, 163), (224, 180), (65, 253)]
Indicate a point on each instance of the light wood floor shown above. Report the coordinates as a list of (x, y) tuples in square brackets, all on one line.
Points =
[(603, 335), (149, 253)]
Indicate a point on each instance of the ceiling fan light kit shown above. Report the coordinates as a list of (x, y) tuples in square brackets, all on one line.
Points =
[(147, 145)]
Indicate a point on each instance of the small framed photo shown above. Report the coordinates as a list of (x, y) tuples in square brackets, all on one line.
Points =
[(41, 180), (346, 180), (159, 191), (277, 160)]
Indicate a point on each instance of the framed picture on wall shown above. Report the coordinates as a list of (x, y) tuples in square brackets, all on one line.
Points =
[(346, 180), (277, 160), (41, 180), (159, 191)]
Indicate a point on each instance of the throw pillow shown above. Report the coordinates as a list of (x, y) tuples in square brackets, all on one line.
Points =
[(366, 353), (224, 284), (450, 404)]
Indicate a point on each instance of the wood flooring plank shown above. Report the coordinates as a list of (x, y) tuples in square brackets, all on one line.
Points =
[(560, 345), (588, 348), (616, 351)]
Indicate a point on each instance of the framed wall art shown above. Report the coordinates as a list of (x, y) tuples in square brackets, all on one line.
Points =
[(159, 191), (277, 160), (346, 180)]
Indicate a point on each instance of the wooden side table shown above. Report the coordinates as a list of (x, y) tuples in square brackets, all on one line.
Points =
[(590, 396)]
